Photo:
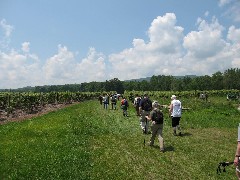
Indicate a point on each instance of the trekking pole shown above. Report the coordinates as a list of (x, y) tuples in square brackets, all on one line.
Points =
[(145, 131), (223, 165)]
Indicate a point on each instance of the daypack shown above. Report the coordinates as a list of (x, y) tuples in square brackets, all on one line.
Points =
[(157, 116), (138, 101), (124, 102), (147, 105), (113, 100)]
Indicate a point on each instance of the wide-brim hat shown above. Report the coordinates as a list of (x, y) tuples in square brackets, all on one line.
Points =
[(173, 97), (155, 104)]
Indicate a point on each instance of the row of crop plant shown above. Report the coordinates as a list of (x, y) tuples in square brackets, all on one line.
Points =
[(186, 94), (31, 102)]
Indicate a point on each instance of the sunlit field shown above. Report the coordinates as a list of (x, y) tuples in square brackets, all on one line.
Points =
[(84, 141)]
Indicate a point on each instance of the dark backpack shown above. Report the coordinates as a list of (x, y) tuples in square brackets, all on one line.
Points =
[(157, 116), (147, 105), (113, 99), (138, 101)]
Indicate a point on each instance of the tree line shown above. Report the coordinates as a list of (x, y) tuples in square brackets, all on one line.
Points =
[(228, 80)]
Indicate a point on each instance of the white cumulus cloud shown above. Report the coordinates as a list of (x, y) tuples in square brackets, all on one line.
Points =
[(18, 70), (207, 41), (234, 34), (170, 52), (158, 56), (6, 28), (5, 33), (63, 68), (232, 9), (167, 51), (223, 2), (25, 47)]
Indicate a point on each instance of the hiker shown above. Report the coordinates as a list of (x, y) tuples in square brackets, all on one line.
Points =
[(105, 101), (118, 96), (156, 117), (237, 155), (114, 102), (175, 111), (124, 106), (145, 106), (136, 103), (131, 98), (100, 98), (204, 96)]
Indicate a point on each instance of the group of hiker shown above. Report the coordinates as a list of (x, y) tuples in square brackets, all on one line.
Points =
[(105, 100), (149, 112), (151, 116)]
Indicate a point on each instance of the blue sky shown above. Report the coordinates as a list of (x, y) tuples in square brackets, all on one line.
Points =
[(64, 42)]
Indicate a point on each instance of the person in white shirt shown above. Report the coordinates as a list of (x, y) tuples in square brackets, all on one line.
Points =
[(175, 111), (136, 103)]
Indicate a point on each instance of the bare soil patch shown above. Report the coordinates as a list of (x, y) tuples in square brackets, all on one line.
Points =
[(20, 115)]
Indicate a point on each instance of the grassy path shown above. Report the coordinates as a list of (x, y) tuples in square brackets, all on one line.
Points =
[(85, 141)]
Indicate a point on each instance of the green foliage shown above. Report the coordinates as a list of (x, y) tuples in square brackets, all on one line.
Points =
[(33, 102), (85, 141), (229, 79)]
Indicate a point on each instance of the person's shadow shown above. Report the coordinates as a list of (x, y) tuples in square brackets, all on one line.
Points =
[(185, 134), (166, 148)]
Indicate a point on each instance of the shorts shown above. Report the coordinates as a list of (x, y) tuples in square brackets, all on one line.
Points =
[(175, 121)]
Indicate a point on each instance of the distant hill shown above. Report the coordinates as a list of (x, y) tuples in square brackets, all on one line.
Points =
[(149, 78), (140, 79), (181, 77), (29, 88)]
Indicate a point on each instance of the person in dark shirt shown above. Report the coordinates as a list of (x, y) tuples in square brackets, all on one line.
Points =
[(145, 107), (156, 117)]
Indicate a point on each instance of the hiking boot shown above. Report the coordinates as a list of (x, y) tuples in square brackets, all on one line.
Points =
[(162, 150), (180, 133)]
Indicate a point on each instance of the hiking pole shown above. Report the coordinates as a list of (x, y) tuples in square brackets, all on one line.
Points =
[(145, 131), (223, 165)]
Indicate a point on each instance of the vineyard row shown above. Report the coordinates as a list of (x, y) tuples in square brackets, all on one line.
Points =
[(30, 102)]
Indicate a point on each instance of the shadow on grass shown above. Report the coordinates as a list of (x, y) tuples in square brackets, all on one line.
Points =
[(185, 134), (166, 148)]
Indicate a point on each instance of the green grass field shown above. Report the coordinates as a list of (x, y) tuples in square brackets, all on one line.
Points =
[(85, 141)]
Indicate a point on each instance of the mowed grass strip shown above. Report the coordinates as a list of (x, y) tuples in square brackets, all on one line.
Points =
[(85, 141)]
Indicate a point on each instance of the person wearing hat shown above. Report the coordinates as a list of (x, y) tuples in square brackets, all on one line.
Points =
[(175, 111), (156, 117)]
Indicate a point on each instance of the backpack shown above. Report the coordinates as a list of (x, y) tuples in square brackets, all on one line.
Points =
[(138, 101), (147, 105), (157, 116), (124, 102), (113, 99)]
